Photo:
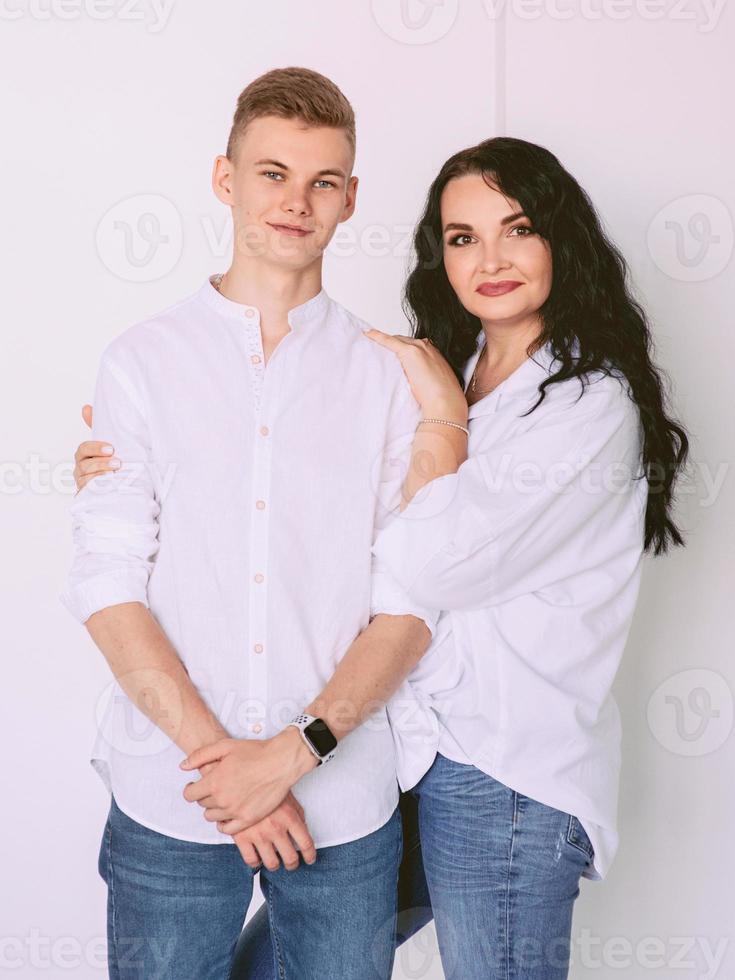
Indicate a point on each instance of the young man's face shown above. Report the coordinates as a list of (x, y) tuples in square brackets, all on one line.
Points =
[(289, 187)]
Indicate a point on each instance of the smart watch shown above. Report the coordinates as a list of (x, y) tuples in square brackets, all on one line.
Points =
[(318, 737)]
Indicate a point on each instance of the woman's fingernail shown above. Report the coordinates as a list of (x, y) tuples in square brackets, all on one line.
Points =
[(107, 450)]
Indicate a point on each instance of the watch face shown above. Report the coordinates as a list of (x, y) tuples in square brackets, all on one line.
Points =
[(320, 737)]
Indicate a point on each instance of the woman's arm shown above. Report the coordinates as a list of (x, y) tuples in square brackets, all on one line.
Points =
[(565, 494), (438, 449)]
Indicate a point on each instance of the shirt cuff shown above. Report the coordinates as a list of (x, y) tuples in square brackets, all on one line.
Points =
[(387, 597), (109, 589), (419, 532)]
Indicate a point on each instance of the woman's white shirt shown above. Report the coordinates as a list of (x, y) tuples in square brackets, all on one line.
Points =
[(532, 551)]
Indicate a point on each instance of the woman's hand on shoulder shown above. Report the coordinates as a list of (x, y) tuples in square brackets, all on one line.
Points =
[(432, 380)]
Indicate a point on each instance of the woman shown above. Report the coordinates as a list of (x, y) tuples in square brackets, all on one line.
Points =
[(526, 512)]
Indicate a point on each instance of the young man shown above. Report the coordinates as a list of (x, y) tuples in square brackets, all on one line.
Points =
[(224, 571)]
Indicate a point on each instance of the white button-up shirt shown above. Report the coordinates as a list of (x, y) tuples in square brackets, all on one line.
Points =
[(533, 552), (243, 517)]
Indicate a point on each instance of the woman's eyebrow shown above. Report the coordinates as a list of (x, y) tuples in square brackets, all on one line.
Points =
[(513, 217), (458, 226)]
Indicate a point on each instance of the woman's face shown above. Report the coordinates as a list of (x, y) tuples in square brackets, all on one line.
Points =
[(499, 268)]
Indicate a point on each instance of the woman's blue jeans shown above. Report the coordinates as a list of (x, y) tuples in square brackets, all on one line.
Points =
[(498, 871)]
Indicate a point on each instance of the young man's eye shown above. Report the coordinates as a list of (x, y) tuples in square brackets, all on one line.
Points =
[(272, 173), (325, 183), (460, 240)]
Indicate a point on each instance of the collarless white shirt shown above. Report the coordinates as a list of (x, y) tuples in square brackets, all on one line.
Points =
[(533, 552), (243, 517)]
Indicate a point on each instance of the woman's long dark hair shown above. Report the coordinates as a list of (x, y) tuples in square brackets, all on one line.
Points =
[(589, 305)]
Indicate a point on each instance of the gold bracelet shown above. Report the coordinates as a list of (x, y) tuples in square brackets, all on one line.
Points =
[(454, 425)]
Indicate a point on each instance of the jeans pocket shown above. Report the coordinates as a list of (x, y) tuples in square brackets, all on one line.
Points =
[(577, 837)]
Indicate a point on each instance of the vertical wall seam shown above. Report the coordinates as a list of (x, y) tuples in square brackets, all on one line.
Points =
[(500, 73)]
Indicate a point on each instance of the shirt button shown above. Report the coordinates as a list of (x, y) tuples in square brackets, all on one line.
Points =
[(264, 430), (258, 648), (258, 728), (259, 578), (260, 504), (255, 359), (249, 313)]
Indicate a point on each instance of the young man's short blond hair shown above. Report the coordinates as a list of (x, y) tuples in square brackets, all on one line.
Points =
[(292, 93)]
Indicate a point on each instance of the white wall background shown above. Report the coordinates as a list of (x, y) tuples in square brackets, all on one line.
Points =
[(113, 110)]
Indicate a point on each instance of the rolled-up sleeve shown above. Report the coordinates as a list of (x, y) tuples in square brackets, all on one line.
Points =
[(388, 596), (115, 515), (561, 495)]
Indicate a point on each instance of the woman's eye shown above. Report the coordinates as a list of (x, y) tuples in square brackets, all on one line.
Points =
[(524, 229), (460, 240)]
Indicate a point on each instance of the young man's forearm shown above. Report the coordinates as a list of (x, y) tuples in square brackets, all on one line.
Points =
[(371, 671), (152, 675)]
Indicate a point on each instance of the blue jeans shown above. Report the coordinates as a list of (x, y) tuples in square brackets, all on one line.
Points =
[(500, 870), (175, 908)]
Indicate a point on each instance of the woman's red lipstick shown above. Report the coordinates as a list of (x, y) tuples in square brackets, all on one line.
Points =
[(497, 288)]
